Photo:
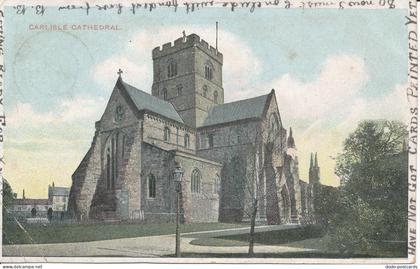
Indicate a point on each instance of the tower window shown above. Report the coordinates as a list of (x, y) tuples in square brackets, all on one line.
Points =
[(166, 134), (208, 71), (152, 186), (215, 97), (172, 69), (196, 181), (205, 90), (187, 141)]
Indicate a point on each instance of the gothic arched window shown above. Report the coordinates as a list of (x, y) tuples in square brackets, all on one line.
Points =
[(165, 94), (124, 144), (186, 141), (274, 122), (196, 181), (215, 97), (216, 184), (108, 169), (205, 90), (179, 90), (119, 113), (151, 183), (211, 140), (166, 134)]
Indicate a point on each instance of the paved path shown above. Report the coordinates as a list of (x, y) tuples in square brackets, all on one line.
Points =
[(150, 246), (235, 231)]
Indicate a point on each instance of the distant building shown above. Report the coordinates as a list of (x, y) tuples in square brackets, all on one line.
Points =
[(58, 197), (27, 208), (38, 208)]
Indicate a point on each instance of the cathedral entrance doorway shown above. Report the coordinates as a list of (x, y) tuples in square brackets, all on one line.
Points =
[(285, 205)]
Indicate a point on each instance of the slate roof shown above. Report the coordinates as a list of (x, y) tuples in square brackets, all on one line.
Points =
[(238, 110), (31, 202), (59, 191), (145, 101)]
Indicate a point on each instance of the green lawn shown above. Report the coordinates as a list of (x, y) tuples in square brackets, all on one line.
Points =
[(12, 234), (310, 238)]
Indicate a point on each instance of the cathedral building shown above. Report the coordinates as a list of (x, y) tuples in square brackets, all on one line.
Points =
[(231, 153)]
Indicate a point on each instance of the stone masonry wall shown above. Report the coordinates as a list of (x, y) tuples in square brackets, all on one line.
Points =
[(203, 206), (84, 183)]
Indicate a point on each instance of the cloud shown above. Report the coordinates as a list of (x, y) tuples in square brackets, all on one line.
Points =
[(67, 111), (137, 73), (136, 59), (325, 110), (80, 108)]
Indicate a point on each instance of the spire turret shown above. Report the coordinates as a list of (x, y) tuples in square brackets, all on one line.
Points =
[(314, 174), (291, 140)]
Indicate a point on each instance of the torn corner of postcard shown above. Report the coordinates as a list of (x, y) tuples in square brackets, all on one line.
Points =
[(227, 131)]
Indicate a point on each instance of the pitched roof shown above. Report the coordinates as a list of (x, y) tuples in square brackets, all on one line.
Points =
[(145, 101), (239, 110), (59, 191), (31, 202)]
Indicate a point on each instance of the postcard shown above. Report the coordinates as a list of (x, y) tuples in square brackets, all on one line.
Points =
[(209, 131)]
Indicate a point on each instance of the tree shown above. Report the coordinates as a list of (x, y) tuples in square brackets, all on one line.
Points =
[(326, 204), (373, 193), (50, 214), (7, 194)]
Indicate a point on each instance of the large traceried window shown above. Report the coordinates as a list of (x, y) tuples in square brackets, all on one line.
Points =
[(151, 184), (113, 154), (196, 181)]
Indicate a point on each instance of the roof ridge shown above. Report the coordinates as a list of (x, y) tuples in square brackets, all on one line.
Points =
[(238, 110), (246, 99), (131, 89)]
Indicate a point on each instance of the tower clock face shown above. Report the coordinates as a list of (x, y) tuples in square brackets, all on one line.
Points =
[(119, 113)]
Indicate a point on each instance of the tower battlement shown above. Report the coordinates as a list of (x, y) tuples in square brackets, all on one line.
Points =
[(190, 40)]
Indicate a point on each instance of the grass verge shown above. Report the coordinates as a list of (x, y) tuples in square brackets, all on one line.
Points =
[(12, 234)]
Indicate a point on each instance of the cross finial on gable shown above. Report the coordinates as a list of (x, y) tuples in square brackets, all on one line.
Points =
[(119, 72)]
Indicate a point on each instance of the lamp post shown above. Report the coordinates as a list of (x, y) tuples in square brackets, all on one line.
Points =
[(178, 173)]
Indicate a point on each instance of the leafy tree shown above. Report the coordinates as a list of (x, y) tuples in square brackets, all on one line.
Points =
[(50, 214), (373, 194), (326, 206), (7, 195)]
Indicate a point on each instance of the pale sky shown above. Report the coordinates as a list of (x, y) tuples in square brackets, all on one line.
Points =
[(330, 70)]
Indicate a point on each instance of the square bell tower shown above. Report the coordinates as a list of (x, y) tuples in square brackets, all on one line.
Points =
[(188, 74)]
